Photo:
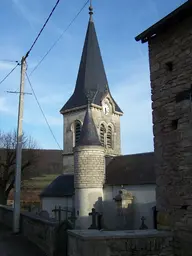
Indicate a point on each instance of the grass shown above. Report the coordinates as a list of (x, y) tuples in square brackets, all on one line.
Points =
[(39, 182)]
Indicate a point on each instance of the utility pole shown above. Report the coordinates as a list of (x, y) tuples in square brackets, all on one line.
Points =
[(17, 205)]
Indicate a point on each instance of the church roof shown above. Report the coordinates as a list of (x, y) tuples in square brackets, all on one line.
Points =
[(88, 136), (173, 18), (135, 169), (63, 185), (91, 75), (128, 170)]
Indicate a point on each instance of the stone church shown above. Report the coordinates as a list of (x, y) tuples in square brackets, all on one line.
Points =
[(95, 174)]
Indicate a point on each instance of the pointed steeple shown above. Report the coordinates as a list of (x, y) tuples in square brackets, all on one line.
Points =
[(91, 75), (89, 136), (90, 11)]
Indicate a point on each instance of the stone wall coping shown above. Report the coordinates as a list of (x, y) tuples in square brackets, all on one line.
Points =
[(39, 219), (32, 216), (124, 234), (67, 154), (88, 148), (6, 207)]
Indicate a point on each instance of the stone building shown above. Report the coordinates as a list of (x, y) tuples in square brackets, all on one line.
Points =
[(92, 153), (170, 57)]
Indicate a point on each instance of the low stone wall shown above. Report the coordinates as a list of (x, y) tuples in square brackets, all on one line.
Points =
[(52, 238), (6, 215), (120, 243), (39, 231)]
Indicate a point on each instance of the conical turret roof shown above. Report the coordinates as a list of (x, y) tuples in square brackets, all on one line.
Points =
[(89, 135)]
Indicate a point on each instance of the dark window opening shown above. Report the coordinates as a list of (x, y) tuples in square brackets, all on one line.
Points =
[(174, 124), (77, 131), (184, 207), (102, 134), (109, 137), (155, 212), (169, 65), (184, 95)]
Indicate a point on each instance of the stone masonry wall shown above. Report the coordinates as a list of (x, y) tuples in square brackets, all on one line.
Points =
[(68, 163), (68, 138), (170, 56), (69, 119), (98, 117), (89, 165), (113, 120), (118, 243)]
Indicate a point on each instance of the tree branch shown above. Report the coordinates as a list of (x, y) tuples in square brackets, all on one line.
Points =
[(11, 186), (27, 164), (8, 142)]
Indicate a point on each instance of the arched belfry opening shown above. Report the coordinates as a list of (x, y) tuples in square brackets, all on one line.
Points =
[(102, 134), (109, 137), (77, 131)]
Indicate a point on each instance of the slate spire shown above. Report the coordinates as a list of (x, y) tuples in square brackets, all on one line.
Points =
[(90, 11), (91, 74), (89, 135)]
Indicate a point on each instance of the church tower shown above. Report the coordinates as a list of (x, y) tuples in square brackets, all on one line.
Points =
[(106, 113)]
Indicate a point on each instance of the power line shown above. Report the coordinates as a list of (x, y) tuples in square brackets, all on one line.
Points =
[(9, 74), (42, 111), (59, 38), (42, 28), (5, 60)]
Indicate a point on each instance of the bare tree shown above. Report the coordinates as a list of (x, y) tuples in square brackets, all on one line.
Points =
[(30, 156)]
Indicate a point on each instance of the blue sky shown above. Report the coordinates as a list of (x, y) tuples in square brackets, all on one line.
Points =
[(126, 62)]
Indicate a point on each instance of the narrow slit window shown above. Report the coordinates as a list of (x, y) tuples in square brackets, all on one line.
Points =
[(184, 95), (77, 131), (102, 134), (169, 66), (174, 124), (109, 137)]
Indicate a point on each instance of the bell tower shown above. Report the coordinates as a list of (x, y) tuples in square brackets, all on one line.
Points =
[(106, 113)]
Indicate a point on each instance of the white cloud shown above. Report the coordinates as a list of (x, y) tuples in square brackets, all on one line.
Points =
[(6, 65)]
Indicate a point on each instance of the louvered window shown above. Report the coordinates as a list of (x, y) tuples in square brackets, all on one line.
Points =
[(102, 134), (109, 137), (77, 131)]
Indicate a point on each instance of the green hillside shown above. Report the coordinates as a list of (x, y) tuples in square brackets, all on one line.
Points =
[(39, 182)]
